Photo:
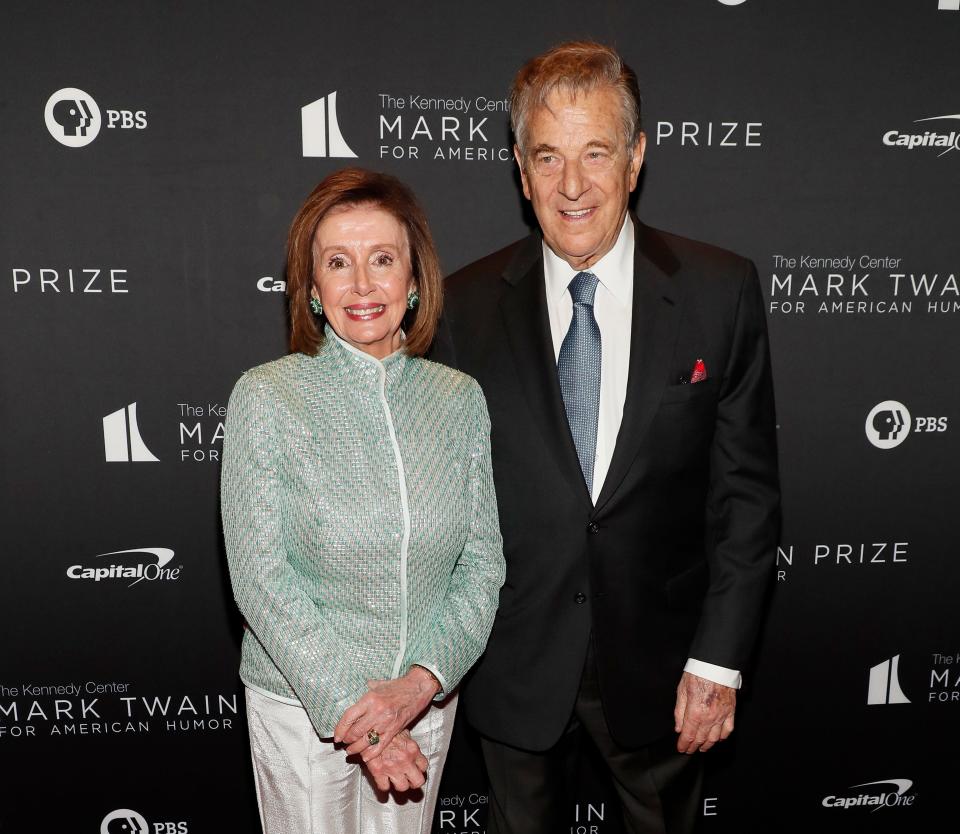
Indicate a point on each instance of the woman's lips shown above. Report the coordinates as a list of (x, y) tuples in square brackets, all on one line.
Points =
[(364, 312)]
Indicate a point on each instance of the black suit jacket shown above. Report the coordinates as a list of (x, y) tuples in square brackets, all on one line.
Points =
[(675, 558)]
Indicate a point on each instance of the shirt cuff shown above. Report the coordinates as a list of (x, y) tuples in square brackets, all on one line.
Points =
[(711, 672)]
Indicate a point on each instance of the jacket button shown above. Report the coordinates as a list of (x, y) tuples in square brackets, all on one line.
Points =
[(593, 527), (580, 598)]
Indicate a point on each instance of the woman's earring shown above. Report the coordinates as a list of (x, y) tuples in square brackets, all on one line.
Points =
[(413, 299), (316, 306)]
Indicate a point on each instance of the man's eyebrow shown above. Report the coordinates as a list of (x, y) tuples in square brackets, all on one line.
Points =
[(593, 143), (543, 147), (600, 143)]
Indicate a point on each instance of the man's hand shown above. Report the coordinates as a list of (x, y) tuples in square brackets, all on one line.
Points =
[(387, 708), (401, 765), (703, 714)]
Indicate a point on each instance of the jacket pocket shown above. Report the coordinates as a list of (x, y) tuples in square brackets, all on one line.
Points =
[(687, 392)]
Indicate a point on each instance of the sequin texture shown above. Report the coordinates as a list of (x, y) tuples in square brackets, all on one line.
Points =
[(360, 523)]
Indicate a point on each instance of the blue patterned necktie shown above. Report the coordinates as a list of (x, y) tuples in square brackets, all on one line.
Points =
[(578, 367)]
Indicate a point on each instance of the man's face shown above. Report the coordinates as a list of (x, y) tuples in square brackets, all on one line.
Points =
[(578, 173)]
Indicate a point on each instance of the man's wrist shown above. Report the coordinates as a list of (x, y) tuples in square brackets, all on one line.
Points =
[(716, 674)]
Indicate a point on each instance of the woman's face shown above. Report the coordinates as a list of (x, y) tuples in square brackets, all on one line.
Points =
[(362, 275)]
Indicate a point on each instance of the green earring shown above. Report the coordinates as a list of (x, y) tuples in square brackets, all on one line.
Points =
[(316, 306), (413, 299)]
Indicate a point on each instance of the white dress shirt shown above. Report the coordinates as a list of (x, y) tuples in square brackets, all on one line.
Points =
[(613, 310)]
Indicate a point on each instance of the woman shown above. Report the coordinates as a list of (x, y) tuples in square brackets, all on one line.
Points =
[(360, 522)]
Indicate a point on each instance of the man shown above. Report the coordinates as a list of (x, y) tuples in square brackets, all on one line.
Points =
[(628, 380)]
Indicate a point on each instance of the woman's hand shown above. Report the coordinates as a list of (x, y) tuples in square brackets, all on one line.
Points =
[(387, 708), (401, 766)]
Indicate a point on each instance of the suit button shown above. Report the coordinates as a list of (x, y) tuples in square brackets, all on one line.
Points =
[(593, 527), (580, 598)]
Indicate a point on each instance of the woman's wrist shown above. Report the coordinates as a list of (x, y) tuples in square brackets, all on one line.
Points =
[(425, 679)]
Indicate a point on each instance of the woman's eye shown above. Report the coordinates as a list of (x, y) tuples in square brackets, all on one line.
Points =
[(336, 263), (383, 259)]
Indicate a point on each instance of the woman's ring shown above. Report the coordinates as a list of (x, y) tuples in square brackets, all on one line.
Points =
[(373, 737)]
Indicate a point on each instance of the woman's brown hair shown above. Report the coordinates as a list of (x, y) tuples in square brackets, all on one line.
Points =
[(359, 187)]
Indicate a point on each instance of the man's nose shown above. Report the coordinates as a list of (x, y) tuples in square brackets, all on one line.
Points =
[(573, 182)]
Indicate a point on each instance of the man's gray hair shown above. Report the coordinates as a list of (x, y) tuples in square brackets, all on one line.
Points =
[(575, 67)]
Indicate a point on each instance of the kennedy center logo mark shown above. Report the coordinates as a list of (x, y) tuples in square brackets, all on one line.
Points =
[(72, 117), (122, 442), (321, 130), (884, 685)]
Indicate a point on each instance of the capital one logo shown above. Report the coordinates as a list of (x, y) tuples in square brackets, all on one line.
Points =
[(884, 687), (888, 424), (141, 568), (321, 130), (124, 821), (122, 442), (270, 284), (944, 142), (868, 795), (72, 117)]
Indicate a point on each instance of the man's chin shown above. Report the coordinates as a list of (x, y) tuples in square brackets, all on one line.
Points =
[(579, 257), (570, 246)]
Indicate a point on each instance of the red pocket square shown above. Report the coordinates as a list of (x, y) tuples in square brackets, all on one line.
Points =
[(699, 373)]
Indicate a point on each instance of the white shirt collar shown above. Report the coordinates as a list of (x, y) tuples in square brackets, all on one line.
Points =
[(614, 270)]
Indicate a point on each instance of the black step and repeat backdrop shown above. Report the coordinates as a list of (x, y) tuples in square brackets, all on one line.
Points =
[(152, 155)]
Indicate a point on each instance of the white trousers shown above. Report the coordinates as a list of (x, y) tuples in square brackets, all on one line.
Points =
[(306, 785)]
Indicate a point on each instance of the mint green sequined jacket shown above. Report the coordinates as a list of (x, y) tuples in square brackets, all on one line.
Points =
[(360, 523)]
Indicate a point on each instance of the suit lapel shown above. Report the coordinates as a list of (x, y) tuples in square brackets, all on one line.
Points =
[(524, 309), (653, 333)]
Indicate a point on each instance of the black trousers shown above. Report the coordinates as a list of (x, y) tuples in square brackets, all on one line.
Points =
[(659, 788)]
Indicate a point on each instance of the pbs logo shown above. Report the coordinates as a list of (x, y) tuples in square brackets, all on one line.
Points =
[(126, 821), (889, 423), (74, 119)]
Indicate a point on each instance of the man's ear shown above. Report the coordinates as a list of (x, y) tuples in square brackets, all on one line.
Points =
[(523, 172), (636, 159)]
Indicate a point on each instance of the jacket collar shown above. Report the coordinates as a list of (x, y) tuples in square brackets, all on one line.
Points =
[(355, 363)]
